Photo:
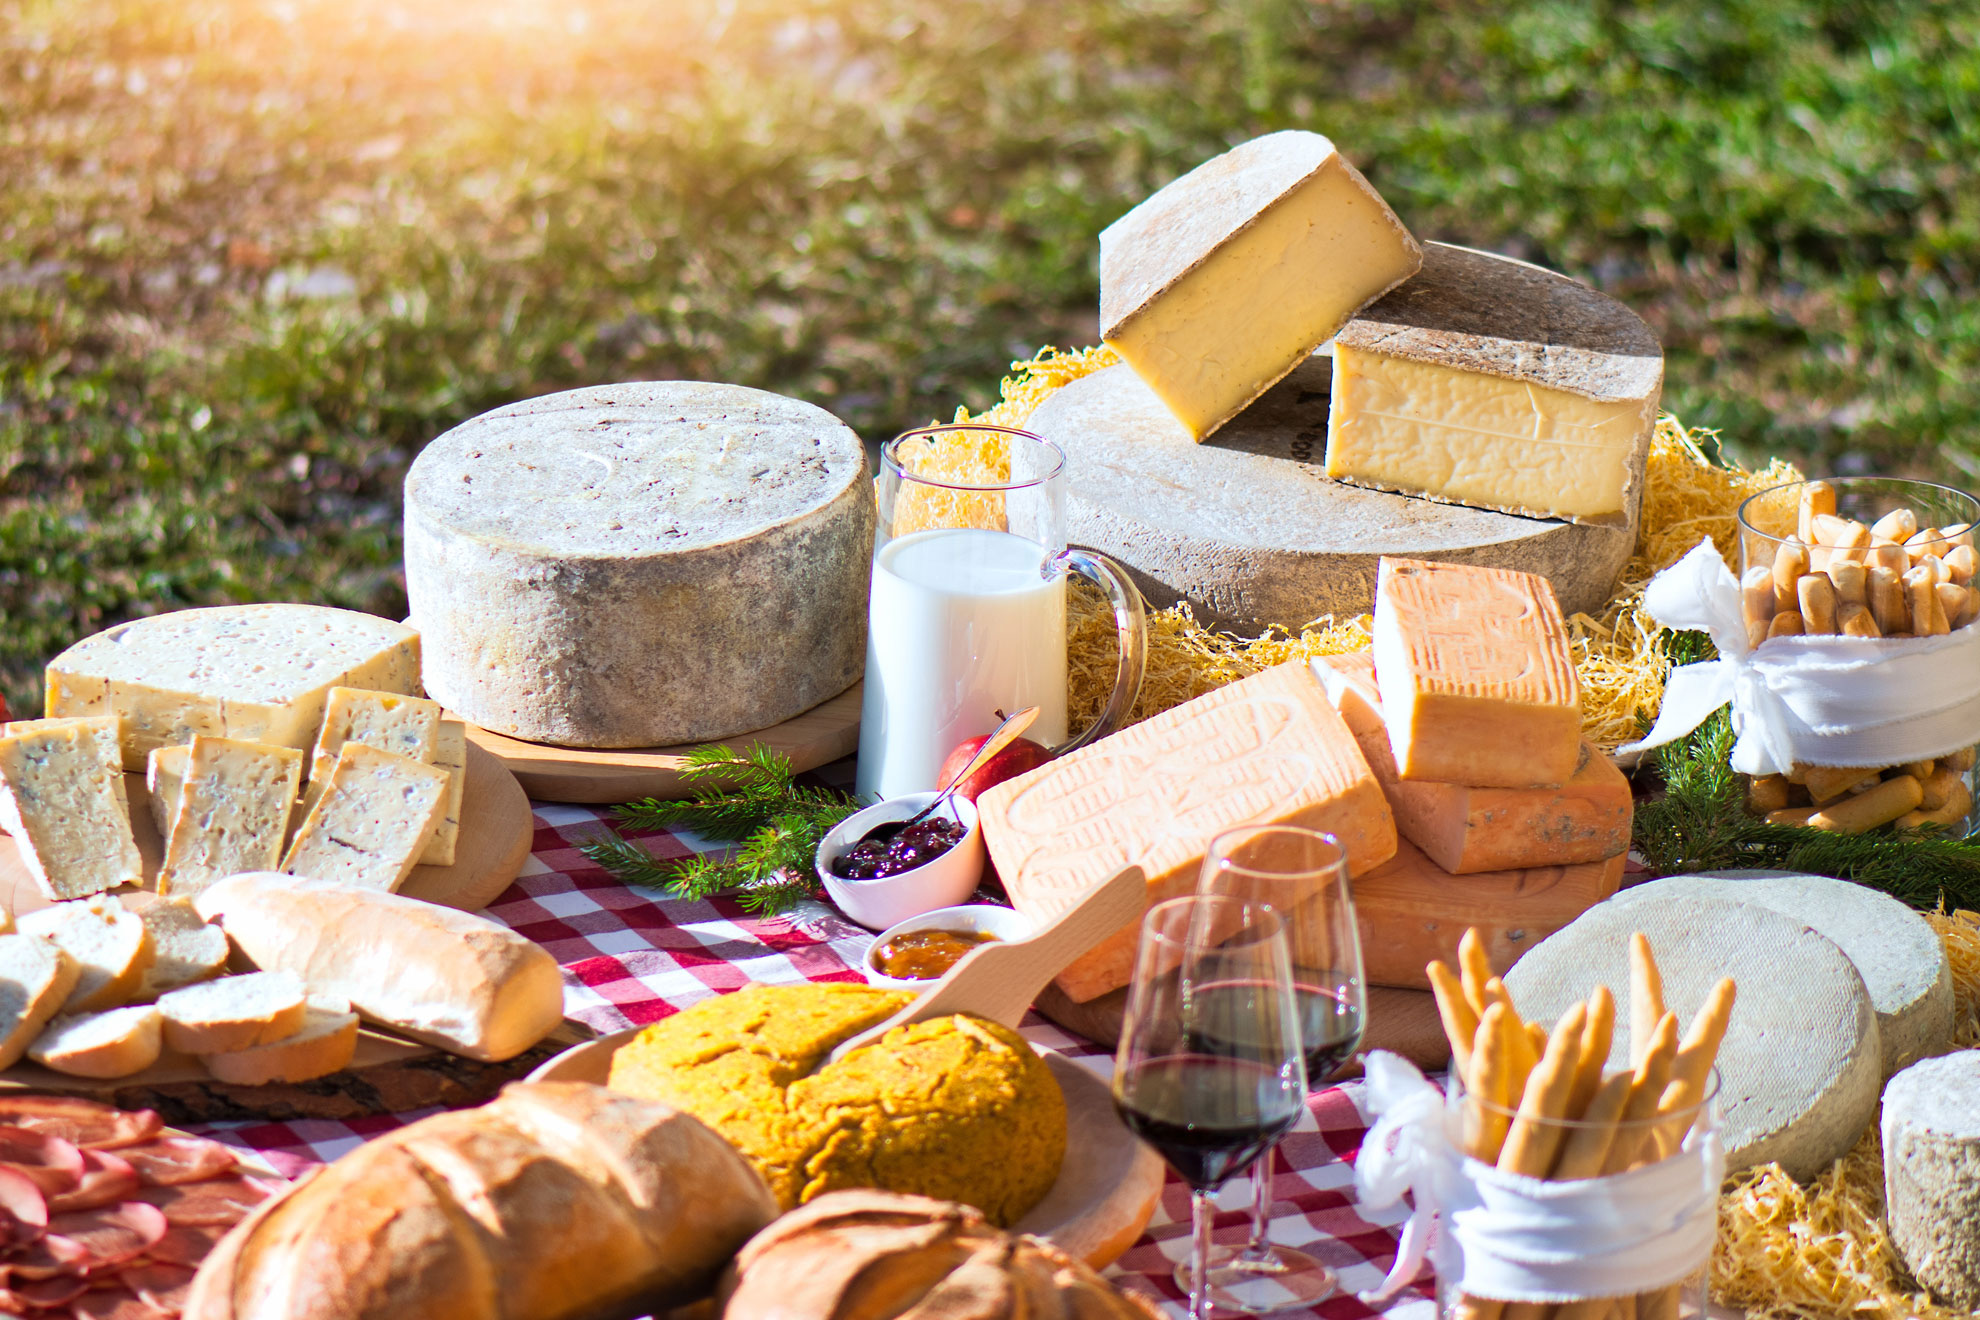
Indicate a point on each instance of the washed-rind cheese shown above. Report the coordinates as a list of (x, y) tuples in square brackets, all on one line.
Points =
[(253, 673), (1931, 1131), (1477, 677), (372, 822), (1490, 382), (450, 754), (232, 812), (1467, 829), (1800, 1067), (1265, 750), (1218, 284), (62, 797), (1900, 957), (640, 565)]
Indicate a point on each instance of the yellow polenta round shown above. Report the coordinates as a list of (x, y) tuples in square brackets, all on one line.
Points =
[(956, 1108)]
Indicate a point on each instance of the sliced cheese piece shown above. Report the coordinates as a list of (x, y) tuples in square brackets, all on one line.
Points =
[(1800, 1067), (1411, 911), (232, 815), (164, 780), (1900, 957), (1267, 749), (1221, 282), (1489, 382), (1477, 678), (1931, 1131), (65, 803), (372, 822), (255, 673), (106, 728), (404, 726), (450, 754), (1466, 829)]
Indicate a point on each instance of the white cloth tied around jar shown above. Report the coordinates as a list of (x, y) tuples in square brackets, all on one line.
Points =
[(1820, 700), (1508, 1236)]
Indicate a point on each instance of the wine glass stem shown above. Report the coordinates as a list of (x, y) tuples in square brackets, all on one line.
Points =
[(1258, 1251), (1203, 1212)]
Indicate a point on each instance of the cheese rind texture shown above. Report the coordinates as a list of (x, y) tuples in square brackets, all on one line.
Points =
[(1222, 281), (372, 822), (253, 673), (1931, 1131), (640, 565), (1467, 829), (1800, 1067), (231, 814), (1477, 677), (1490, 382), (62, 798), (1265, 750)]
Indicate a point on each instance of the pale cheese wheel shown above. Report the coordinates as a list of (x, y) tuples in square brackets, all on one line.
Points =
[(1932, 1174), (1801, 1064), (640, 565), (1900, 957)]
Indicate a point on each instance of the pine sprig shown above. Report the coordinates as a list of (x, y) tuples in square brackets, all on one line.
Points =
[(750, 798)]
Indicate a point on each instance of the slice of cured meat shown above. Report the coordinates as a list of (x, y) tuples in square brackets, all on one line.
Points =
[(170, 1160), (111, 1234), (185, 1245), (54, 1164), (47, 1294), (115, 1304), (106, 1180), (163, 1286), (47, 1256), (215, 1203), (84, 1122), (23, 1209)]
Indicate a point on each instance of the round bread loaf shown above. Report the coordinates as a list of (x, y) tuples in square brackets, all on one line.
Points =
[(640, 565), (956, 1107)]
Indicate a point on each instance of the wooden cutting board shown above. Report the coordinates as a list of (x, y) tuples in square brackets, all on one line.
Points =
[(496, 832), (822, 734)]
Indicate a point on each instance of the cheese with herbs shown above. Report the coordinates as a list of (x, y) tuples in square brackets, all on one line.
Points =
[(253, 673), (373, 821), (639, 565), (391, 722), (65, 805), (231, 814), (1221, 282), (1490, 382), (450, 754), (1266, 749), (106, 728)]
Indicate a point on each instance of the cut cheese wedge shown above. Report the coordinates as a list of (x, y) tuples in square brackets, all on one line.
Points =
[(107, 729), (1225, 279), (450, 754), (1267, 749), (1490, 382), (164, 780), (1477, 678), (391, 722), (63, 798), (1464, 828), (232, 813), (372, 822)]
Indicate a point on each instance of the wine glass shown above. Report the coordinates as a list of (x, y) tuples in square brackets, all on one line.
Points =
[(1301, 875), (1210, 1071)]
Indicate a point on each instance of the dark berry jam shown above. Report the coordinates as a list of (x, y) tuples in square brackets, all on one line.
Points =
[(889, 850)]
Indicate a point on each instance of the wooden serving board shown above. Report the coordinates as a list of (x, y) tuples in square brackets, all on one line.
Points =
[(496, 832), (822, 734), (1107, 1187)]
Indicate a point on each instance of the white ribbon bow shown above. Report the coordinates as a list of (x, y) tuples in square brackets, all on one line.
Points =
[(1505, 1235), (1821, 700)]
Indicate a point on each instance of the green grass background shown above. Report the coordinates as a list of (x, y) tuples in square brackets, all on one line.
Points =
[(254, 254)]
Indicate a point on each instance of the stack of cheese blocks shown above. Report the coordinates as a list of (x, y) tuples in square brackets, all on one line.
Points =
[(1469, 747)]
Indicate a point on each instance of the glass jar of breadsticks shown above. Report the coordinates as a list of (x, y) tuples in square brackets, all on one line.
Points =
[(1862, 557)]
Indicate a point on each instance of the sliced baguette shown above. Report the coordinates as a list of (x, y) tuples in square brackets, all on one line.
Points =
[(233, 1013), (325, 1044), (36, 976), (107, 939), (115, 1043), (184, 949)]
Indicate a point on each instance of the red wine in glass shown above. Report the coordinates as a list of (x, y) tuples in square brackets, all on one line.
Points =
[(1221, 1017), (1210, 1116)]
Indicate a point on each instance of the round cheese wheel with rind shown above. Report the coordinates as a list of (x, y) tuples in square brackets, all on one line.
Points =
[(1248, 529), (1801, 1064), (640, 565), (1900, 957), (1931, 1131)]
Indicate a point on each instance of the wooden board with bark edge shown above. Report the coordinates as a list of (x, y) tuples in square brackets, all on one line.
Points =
[(496, 832), (594, 775)]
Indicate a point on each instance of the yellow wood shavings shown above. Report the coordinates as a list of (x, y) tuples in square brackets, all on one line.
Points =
[(1960, 931)]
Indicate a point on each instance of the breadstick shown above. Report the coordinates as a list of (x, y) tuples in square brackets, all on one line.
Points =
[(1925, 541), (1459, 1018), (1961, 759), (1693, 1065), (1826, 783), (1586, 1149), (1790, 562), (1765, 793), (1791, 815), (1872, 807), (1897, 525), (1646, 1088), (1928, 617), (1848, 578), (1817, 596), (1490, 1083), (1960, 534), (1855, 620), (1919, 770), (1660, 1303), (1536, 1035), (1496, 993), (1785, 625), (1756, 591), (1475, 969), (1535, 1138), (1888, 603), (1937, 787), (1956, 601), (1596, 1039), (1962, 561), (1887, 554), (1521, 1058), (1845, 538), (1646, 995), (1957, 806), (1586, 1308), (1936, 567), (1817, 497)]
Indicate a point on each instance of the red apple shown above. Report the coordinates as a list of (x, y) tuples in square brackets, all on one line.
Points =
[(1022, 755)]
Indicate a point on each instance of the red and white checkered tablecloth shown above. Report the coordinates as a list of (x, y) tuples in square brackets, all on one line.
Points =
[(634, 956)]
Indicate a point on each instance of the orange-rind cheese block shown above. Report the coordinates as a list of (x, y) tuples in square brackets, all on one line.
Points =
[(1266, 750), (1464, 828), (1478, 680)]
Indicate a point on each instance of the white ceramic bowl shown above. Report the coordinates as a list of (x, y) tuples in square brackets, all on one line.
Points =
[(986, 918), (944, 882)]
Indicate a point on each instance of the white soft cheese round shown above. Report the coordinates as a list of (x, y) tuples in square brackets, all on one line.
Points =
[(640, 565)]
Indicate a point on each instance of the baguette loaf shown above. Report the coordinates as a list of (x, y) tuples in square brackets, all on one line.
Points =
[(556, 1201), (462, 982)]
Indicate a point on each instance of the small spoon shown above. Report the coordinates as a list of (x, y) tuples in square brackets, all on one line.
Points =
[(1001, 737)]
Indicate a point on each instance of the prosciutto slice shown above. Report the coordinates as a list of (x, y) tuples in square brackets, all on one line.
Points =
[(216, 1203), (106, 1180), (169, 1161), (55, 1165), (115, 1304), (111, 1234), (23, 1209), (82, 1122)]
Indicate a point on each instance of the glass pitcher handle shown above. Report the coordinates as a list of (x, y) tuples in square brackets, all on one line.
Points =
[(1130, 626)]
